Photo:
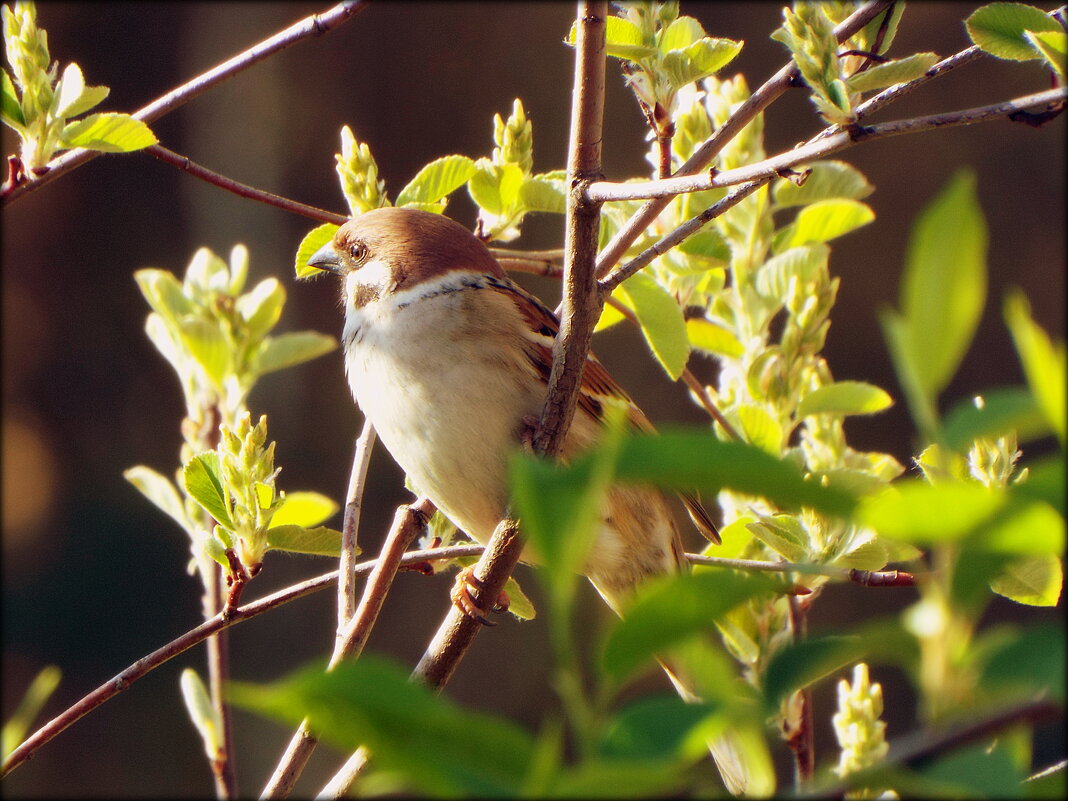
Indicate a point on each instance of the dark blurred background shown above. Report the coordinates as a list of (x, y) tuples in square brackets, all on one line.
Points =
[(94, 577)]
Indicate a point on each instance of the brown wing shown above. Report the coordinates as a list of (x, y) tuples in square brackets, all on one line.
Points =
[(597, 385)]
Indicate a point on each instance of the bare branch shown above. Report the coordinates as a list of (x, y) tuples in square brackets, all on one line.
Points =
[(243, 190), (702, 157), (346, 589), (315, 25)]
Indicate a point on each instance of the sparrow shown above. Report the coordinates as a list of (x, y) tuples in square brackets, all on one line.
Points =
[(450, 359)]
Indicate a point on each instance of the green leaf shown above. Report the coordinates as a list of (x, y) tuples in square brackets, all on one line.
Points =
[(760, 428), (707, 242), (205, 342), (1044, 363), (797, 665), (623, 39), (261, 308), (496, 187), (312, 241), (661, 321), (304, 509), (1001, 411), (774, 277), (436, 180), (783, 534), (998, 28), (203, 713), (1031, 580), (73, 97), (617, 778), (164, 294), (1053, 45), (1032, 661), (979, 771), (11, 108), (317, 541), (654, 727), (904, 357), (828, 219), (1045, 482), (539, 194), (160, 491), (712, 338), (36, 696), (439, 747), (699, 60), (923, 513), (292, 348), (689, 460), (845, 397), (899, 70), (944, 285), (681, 33), (829, 180), (109, 133), (202, 478), (667, 611), (1032, 528)]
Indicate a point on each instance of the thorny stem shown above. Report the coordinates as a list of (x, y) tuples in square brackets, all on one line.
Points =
[(702, 157), (315, 25)]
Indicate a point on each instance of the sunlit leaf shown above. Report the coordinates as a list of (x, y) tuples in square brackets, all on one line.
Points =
[(203, 481), (661, 321), (294, 347), (304, 509), (828, 219), (317, 541), (708, 336), (998, 28), (1031, 580), (829, 180), (203, 713), (1044, 362), (845, 397), (1001, 411), (436, 180), (312, 241), (160, 491), (1053, 45), (898, 70), (109, 133)]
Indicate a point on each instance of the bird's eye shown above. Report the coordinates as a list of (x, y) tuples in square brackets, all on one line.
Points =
[(358, 251)]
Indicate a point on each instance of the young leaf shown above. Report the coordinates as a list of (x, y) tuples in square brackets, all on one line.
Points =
[(1044, 363), (304, 509), (944, 285), (37, 694), (623, 39), (799, 664), (661, 321), (900, 70), (202, 712), (312, 241), (262, 307), (845, 397), (783, 534), (539, 194), (773, 278), (436, 180), (11, 108), (164, 294), (73, 97), (292, 348), (108, 133), (829, 180), (160, 491), (1031, 580), (712, 338), (827, 219), (203, 481), (682, 32), (998, 28), (699, 60), (1053, 45), (438, 746), (206, 343), (318, 541), (760, 428)]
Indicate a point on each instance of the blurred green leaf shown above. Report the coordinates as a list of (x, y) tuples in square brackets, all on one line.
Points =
[(1045, 482), (202, 477), (783, 534), (707, 242), (261, 308), (208, 345), (669, 610), (160, 491), (293, 347), (436, 180), (29, 707), (828, 180), (617, 778), (439, 747), (828, 219), (697, 460), (164, 294), (899, 70), (108, 133), (1031, 580), (312, 241), (845, 397), (203, 713), (1044, 362), (653, 727), (922, 513), (944, 286), (661, 321), (760, 428), (1001, 411), (796, 665), (979, 771), (998, 28), (712, 338), (316, 541)]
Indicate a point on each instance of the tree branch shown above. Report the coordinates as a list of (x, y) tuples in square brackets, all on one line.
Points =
[(346, 587), (702, 157), (315, 25)]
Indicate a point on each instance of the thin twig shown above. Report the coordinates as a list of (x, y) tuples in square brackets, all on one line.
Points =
[(194, 636), (352, 635), (243, 190), (702, 157), (801, 738), (820, 148), (346, 590), (218, 648), (315, 25)]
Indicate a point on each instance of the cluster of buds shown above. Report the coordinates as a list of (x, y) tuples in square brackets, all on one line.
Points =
[(358, 170), (857, 724), (514, 139), (809, 33)]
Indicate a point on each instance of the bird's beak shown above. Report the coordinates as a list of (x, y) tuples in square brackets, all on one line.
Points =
[(326, 258)]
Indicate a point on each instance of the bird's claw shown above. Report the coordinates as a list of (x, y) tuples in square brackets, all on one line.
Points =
[(462, 599)]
